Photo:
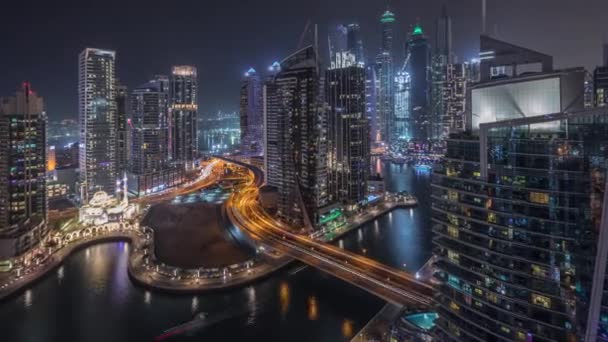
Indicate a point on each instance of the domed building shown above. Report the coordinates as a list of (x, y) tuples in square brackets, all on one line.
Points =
[(103, 208)]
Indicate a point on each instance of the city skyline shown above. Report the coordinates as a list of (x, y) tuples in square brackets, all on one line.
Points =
[(391, 172), (198, 44)]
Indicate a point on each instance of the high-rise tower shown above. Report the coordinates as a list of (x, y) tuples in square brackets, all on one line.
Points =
[(348, 132), (23, 205), (183, 111), (251, 114), (418, 67), (385, 75), (122, 97), (296, 129), (97, 120)]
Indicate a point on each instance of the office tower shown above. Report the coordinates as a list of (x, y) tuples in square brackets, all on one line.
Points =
[(502, 59), (251, 114), (296, 129), (442, 56), (444, 36), (418, 67), (121, 128), (402, 106), (354, 43), (23, 205), (97, 107), (472, 71), (348, 149), (386, 81), (150, 169), (519, 223), (183, 140), (453, 100)]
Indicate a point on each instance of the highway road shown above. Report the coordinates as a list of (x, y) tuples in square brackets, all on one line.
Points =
[(388, 283)]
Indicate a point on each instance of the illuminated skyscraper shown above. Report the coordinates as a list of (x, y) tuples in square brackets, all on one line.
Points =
[(296, 143), (401, 129), (251, 114), (386, 80), (150, 169), (23, 205), (97, 107), (183, 111), (441, 58), (121, 128), (348, 131), (418, 67)]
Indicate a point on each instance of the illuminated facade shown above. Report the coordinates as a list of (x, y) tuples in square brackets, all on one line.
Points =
[(518, 210), (401, 129), (103, 208), (51, 158), (251, 115), (453, 100), (296, 143), (354, 43), (150, 169), (122, 97), (183, 111), (97, 121), (23, 203), (348, 132), (442, 57)]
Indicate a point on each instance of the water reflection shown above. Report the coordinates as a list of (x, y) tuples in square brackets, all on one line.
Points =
[(194, 304), (313, 309), (284, 298), (347, 328), (28, 299), (403, 236)]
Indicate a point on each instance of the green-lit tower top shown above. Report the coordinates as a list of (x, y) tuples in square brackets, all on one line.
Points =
[(387, 17), (417, 30)]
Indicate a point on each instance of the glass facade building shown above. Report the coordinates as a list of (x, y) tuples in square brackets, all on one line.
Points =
[(296, 137), (183, 112), (97, 116), (520, 230), (251, 114), (348, 132), (23, 202)]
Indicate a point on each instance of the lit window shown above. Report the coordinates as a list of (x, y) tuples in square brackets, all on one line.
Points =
[(541, 300), (453, 231), (539, 197)]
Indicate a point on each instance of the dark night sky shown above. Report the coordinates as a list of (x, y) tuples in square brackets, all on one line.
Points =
[(41, 39)]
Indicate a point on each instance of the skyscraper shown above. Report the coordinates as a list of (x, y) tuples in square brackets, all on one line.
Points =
[(121, 128), (371, 95), (23, 205), (150, 169), (97, 107), (354, 43), (348, 150), (519, 222), (444, 36), (251, 114), (386, 80), (418, 66), (296, 129), (442, 56), (401, 129), (183, 111)]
